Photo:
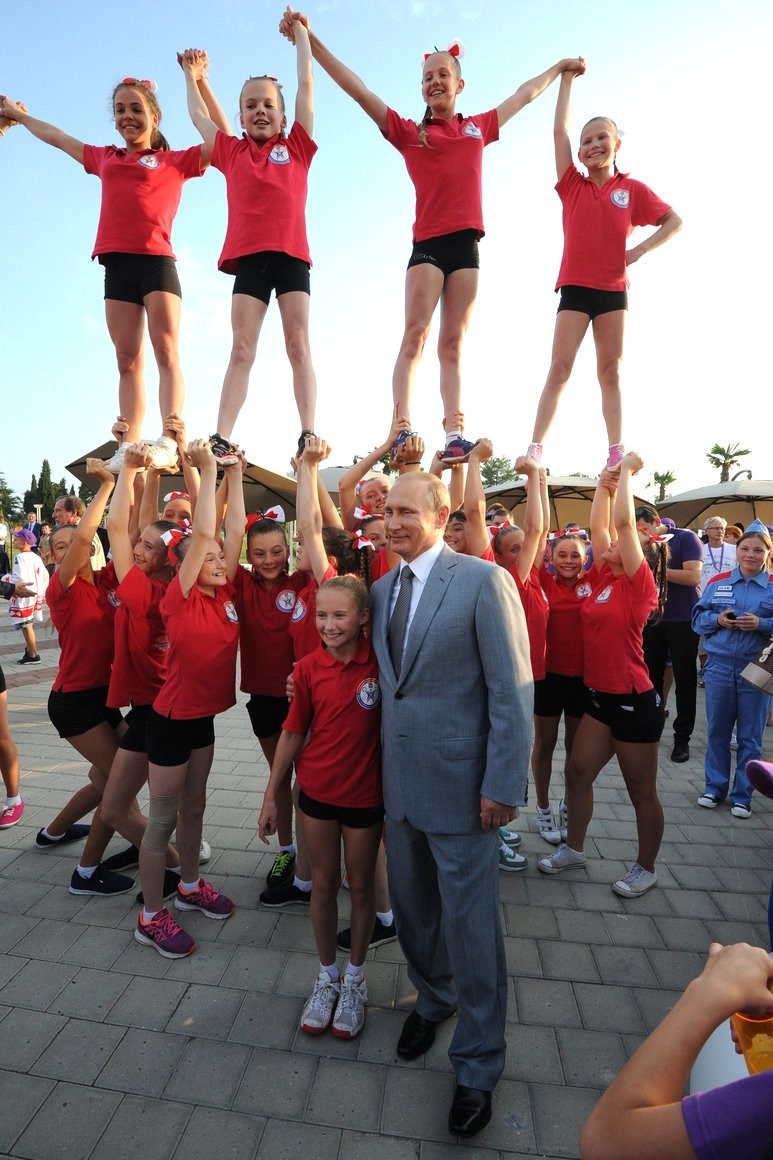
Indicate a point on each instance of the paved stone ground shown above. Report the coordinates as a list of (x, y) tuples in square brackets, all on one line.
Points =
[(110, 1051)]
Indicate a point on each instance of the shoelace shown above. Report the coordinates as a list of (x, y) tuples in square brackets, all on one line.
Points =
[(165, 923), (281, 862)]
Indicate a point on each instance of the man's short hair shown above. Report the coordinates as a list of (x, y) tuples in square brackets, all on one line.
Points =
[(647, 515), (72, 504)]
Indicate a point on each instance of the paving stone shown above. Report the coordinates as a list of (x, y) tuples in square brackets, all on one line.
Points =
[(697, 877), (22, 1097), (206, 1011), (26, 1035), (688, 934), (608, 1008), (523, 957), (254, 969), (694, 904), (366, 1146), (677, 968), (97, 947), (547, 1002), (10, 965), (37, 984), (634, 930), (532, 1054), (266, 1021), (150, 1128), (14, 927), (209, 1073), (69, 1124), (80, 1049), (207, 965), (742, 906), (18, 897), (148, 1003), (142, 1062), (287, 1141), (566, 960), (224, 1135), (625, 966), (416, 1104), (529, 922), (274, 1080), (590, 1058), (378, 1042), (559, 1118), (347, 1094)]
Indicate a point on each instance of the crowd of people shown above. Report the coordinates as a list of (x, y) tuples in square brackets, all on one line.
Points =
[(414, 767)]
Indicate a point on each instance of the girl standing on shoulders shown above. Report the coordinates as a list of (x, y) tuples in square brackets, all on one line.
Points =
[(198, 612), (624, 715), (266, 173), (142, 183), (600, 212), (444, 155), (337, 697)]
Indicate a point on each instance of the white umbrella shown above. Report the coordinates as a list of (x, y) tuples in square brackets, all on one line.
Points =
[(570, 498), (740, 500)]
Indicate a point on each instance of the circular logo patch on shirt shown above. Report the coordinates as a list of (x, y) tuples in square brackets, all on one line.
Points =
[(230, 611), (149, 160), (299, 611), (583, 590), (285, 601), (369, 693), (604, 594), (620, 197), (113, 599), (470, 129), (279, 155)]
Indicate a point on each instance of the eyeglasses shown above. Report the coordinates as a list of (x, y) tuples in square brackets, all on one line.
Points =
[(151, 86)]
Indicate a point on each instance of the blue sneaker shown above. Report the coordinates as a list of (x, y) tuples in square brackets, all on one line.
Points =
[(400, 441), (457, 451)]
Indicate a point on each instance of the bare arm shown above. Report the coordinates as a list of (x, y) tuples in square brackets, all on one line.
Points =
[(287, 750), (353, 85), (475, 501), (119, 516), (533, 527), (561, 143), (668, 226), (601, 516), (530, 89), (304, 98), (50, 134), (689, 574), (149, 506), (79, 551), (625, 521), (640, 1115), (193, 69), (347, 496), (235, 517), (203, 531), (190, 474), (214, 108), (309, 513)]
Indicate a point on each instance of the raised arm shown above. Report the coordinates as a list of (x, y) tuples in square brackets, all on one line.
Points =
[(628, 541), (6, 123), (530, 89), (337, 70), (50, 134), (304, 97), (119, 516), (176, 424), (347, 496), (309, 512), (669, 224), (533, 526), (640, 1114), (478, 538), (203, 530), (194, 70), (601, 515), (561, 143), (79, 551), (214, 108), (234, 517)]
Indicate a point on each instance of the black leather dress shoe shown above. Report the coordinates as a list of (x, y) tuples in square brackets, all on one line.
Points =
[(470, 1111), (416, 1037)]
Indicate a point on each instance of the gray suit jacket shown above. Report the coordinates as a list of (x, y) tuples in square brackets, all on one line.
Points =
[(457, 724)]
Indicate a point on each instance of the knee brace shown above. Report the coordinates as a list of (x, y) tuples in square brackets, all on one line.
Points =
[(162, 819)]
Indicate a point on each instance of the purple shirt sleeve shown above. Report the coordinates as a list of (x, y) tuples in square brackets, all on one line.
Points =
[(733, 1122)]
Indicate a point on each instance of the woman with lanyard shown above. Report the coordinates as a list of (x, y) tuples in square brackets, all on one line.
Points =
[(735, 616)]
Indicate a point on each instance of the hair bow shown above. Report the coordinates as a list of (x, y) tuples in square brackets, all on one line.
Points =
[(361, 513), (170, 495), (359, 540), (455, 48), (663, 538), (495, 529), (172, 538), (151, 86), (276, 514)]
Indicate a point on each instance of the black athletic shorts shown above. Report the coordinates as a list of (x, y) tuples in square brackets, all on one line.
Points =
[(74, 713), (135, 739), (557, 694), (171, 742), (449, 252), (357, 819), (636, 717), (592, 302), (267, 714), (129, 277), (258, 274)]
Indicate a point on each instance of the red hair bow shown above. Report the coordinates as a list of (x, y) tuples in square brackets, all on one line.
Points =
[(170, 495), (359, 540), (455, 48), (361, 513), (495, 529), (275, 513), (172, 538)]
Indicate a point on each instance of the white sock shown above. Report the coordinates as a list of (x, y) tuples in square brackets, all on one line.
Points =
[(547, 810), (52, 837), (288, 849), (86, 871), (149, 915), (302, 884), (189, 887), (355, 972), (332, 970), (12, 801), (452, 433), (385, 917)]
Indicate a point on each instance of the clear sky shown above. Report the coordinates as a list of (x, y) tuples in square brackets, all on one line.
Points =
[(688, 83)]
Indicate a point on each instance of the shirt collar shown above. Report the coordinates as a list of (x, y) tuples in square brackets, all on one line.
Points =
[(762, 578), (361, 655), (423, 564)]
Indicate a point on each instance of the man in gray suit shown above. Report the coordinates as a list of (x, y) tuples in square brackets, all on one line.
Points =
[(456, 709)]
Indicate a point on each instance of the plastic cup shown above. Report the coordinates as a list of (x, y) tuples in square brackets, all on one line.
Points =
[(755, 1037)]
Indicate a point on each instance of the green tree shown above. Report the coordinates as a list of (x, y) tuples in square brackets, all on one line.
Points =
[(43, 491), (725, 458), (661, 480), (498, 469), (10, 505)]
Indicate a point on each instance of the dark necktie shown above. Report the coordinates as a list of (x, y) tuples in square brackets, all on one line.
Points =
[(399, 620)]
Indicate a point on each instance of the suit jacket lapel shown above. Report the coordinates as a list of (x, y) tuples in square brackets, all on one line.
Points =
[(431, 598)]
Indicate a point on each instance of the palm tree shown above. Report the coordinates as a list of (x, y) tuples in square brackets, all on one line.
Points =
[(726, 457), (662, 479)]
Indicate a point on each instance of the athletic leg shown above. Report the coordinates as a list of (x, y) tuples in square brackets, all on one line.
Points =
[(294, 309), (571, 327), (9, 754), (163, 311), (126, 327), (247, 314), (190, 818), (166, 784), (639, 765), (593, 747), (30, 640), (545, 738), (423, 287), (323, 843), (456, 302), (361, 847), (608, 337)]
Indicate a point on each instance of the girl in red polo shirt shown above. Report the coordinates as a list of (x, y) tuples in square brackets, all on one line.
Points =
[(201, 622), (266, 173), (444, 156), (624, 715), (600, 213), (141, 187), (337, 698)]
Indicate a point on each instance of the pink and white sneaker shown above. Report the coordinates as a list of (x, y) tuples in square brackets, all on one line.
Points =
[(534, 452), (11, 815), (206, 900), (615, 457)]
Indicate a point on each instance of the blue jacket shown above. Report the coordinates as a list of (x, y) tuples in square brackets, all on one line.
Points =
[(733, 591)]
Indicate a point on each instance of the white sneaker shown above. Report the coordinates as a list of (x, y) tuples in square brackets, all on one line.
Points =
[(350, 1013), (637, 881), (546, 825), (205, 852), (318, 1012), (115, 463), (738, 810), (509, 837), (563, 819), (563, 859), (509, 859), (708, 801), (163, 453)]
